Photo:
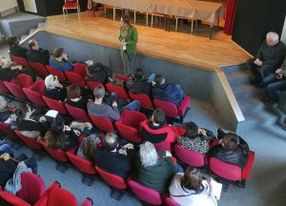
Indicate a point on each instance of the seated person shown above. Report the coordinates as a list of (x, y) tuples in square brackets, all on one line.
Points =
[(27, 121), (196, 139), (10, 165), (154, 170), (167, 91), (87, 146), (59, 60), (270, 56), (139, 84), (157, 130), (9, 70), (99, 72), (101, 109), (188, 189), (232, 149), (36, 54), (113, 158), (53, 88), (275, 83), (75, 97), (61, 136), (4, 110), (15, 48)]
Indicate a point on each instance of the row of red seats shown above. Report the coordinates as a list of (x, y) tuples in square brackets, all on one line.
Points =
[(78, 76), (33, 192)]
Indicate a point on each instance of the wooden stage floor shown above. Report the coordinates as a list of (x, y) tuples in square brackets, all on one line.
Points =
[(182, 48)]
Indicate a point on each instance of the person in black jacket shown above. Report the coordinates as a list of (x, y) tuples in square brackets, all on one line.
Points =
[(99, 72), (139, 84), (232, 149), (75, 97), (36, 54), (112, 157), (53, 88), (270, 56), (15, 48)]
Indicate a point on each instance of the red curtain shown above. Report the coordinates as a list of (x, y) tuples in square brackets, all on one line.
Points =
[(230, 14)]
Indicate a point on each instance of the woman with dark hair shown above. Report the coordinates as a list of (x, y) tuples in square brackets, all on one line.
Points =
[(128, 38), (99, 72), (15, 48), (61, 136), (157, 130), (75, 97), (59, 60), (188, 189), (196, 139)]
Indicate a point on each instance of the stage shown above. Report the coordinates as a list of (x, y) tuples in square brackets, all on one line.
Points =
[(182, 48)]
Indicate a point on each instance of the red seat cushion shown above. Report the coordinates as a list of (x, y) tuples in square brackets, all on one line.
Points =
[(71, 5)]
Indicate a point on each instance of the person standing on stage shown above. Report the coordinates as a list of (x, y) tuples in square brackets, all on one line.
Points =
[(128, 38)]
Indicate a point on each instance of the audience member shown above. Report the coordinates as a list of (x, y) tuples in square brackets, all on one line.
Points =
[(53, 88), (154, 170), (113, 158), (188, 189), (87, 146), (99, 72), (270, 56), (232, 149), (61, 136), (15, 48), (75, 97), (99, 108), (59, 60), (139, 84), (167, 91), (10, 165), (36, 54), (196, 139), (157, 130)]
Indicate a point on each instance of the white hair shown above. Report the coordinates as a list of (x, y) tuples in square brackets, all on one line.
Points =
[(273, 35), (148, 154), (49, 82)]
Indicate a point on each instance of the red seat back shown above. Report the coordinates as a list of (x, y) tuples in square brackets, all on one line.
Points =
[(102, 123), (12, 199), (112, 179), (81, 164), (32, 143), (80, 69), (34, 97), (40, 69), (163, 146), (182, 108), (15, 90), (57, 154), (77, 113), (248, 166), (93, 84), (38, 86), (144, 99), (169, 108), (145, 194), (225, 170), (55, 105), (20, 60), (61, 76), (75, 78), (7, 130), (60, 196), (191, 158), (32, 189), (121, 93), (24, 80), (170, 202), (3, 88)]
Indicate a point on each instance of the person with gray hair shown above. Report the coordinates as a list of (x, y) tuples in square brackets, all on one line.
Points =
[(154, 170), (101, 109), (270, 56), (111, 157), (54, 89)]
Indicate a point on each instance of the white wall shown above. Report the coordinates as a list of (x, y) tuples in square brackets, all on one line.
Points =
[(283, 35), (7, 4)]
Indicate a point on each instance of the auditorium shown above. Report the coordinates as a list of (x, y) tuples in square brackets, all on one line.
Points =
[(142, 102)]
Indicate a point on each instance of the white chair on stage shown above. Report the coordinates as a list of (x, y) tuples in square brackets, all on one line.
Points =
[(70, 5)]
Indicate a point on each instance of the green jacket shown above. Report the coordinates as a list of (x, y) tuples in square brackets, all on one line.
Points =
[(131, 37)]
